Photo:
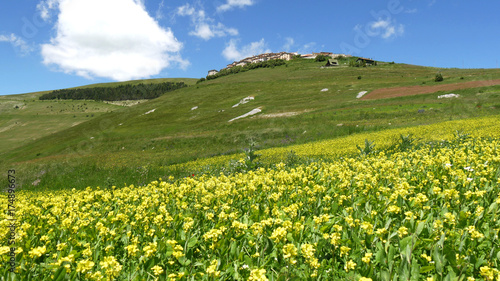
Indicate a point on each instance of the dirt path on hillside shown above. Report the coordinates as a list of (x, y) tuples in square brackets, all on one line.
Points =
[(416, 90)]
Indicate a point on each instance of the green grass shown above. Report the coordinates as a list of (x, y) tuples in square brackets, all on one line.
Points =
[(24, 121), (24, 118), (121, 142)]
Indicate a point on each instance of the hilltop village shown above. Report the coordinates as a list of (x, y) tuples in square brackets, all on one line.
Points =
[(273, 56)]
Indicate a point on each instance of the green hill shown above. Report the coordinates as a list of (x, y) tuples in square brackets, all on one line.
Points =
[(135, 144)]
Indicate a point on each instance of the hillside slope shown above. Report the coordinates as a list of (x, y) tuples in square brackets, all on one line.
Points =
[(24, 118), (192, 123)]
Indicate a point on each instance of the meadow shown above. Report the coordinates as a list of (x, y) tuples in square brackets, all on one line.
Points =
[(319, 186), (125, 145), (412, 209)]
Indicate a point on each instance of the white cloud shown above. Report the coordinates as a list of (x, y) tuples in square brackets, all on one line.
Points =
[(45, 7), (185, 10), (234, 3), (232, 53), (203, 25), (289, 43), (17, 42), (159, 14), (386, 29), (116, 39), (307, 48), (206, 31)]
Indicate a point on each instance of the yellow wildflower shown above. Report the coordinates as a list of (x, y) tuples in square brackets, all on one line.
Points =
[(37, 252), (157, 270), (258, 275), (366, 259), (349, 265), (212, 269)]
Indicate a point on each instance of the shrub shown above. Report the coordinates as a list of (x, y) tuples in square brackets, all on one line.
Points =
[(353, 63), (438, 78), (321, 58)]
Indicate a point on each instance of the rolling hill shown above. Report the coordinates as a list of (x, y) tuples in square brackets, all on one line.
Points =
[(299, 102)]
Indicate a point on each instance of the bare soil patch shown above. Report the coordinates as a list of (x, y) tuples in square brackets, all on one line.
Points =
[(417, 90)]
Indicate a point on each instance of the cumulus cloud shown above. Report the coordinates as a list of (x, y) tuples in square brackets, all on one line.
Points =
[(204, 26), (17, 43), (116, 39), (233, 53), (386, 29), (230, 4), (207, 31)]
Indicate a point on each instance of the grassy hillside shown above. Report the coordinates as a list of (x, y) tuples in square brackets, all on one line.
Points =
[(24, 118), (130, 145), (330, 187)]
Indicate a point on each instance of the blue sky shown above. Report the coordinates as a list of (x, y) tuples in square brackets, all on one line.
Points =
[(53, 44)]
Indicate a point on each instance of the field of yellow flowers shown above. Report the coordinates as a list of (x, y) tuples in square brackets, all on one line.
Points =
[(414, 211)]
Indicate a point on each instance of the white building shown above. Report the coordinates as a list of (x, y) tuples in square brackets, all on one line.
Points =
[(212, 72)]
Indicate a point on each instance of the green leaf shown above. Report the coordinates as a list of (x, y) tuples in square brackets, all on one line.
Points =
[(390, 255), (388, 223), (451, 256), (380, 256), (385, 276), (192, 242), (415, 271), (420, 227), (451, 276), (404, 273), (355, 238), (60, 274), (438, 260), (236, 275), (234, 249), (248, 261), (407, 254), (184, 261), (404, 242), (480, 261), (493, 208), (73, 276), (196, 264), (425, 269)]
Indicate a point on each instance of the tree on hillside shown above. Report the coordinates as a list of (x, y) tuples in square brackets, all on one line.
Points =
[(122, 92), (438, 78)]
